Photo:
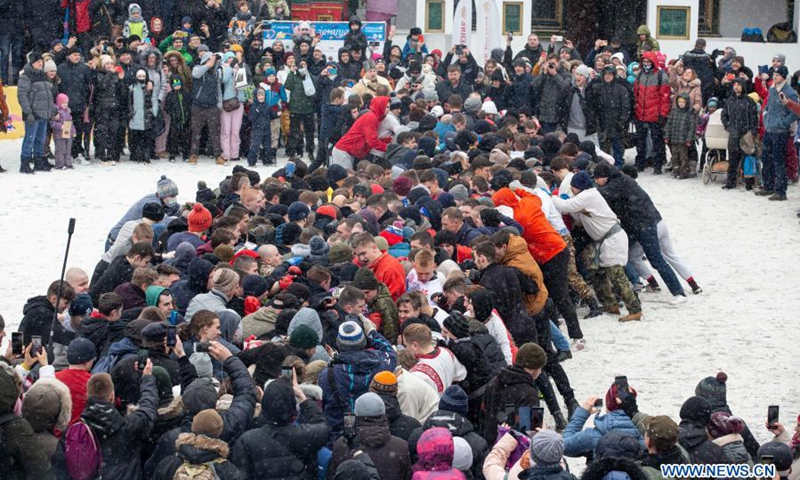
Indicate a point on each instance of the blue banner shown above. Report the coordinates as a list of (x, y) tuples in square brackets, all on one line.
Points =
[(330, 31)]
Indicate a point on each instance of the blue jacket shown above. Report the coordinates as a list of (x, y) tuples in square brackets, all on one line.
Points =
[(352, 374), (578, 442), (330, 115), (260, 115), (777, 117)]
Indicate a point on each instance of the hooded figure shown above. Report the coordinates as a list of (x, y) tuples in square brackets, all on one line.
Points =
[(436, 450), (195, 283), (362, 136), (47, 407)]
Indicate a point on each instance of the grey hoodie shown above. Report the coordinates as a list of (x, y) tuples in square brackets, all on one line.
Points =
[(310, 318)]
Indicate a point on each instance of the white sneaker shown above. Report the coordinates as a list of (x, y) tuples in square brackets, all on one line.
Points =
[(678, 299), (578, 345), (106, 163)]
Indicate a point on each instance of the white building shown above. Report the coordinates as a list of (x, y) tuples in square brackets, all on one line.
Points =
[(676, 24)]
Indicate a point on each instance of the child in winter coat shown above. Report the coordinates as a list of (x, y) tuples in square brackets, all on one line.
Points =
[(679, 135), (330, 115), (178, 107), (63, 132), (242, 24), (276, 99), (355, 38), (135, 24), (260, 120)]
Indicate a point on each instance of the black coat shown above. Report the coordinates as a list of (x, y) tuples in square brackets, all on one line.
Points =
[(117, 273), (554, 94), (509, 286), (694, 438), (444, 90), (288, 452), (740, 115), (235, 419), (520, 93), (610, 108), (389, 453), (183, 291), (471, 356), (120, 437), (459, 427), (109, 92), (22, 458), (491, 350), (630, 202), (198, 450), (95, 328), (38, 318), (75, 81), (512, 386), (400, 425), (551, 472)]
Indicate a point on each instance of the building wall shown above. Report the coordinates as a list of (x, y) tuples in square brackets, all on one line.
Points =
[(738, 14), (407, 14)]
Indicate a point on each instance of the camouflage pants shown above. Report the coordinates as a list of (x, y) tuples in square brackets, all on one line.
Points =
[(606, 280), (576, 282)]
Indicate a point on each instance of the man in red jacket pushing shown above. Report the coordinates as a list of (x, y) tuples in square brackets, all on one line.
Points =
[(652, 95), (362, 136)]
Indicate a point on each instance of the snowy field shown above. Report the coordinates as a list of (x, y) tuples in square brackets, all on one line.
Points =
[(743, 251)]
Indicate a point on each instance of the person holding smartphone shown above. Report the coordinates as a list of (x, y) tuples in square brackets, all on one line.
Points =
[(778, 119)]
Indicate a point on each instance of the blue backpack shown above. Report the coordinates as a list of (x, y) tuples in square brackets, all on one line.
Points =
[(105, 364), (750, 166)]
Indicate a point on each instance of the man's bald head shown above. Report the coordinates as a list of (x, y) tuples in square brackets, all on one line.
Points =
[(77, 279), (270, 255)]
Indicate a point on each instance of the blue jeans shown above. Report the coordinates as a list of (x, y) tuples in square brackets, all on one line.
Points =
[(648, 239), (618, 152), (10, 45), (258, 137), (631, 273), (774, 162), (559, 340), (33, 143)]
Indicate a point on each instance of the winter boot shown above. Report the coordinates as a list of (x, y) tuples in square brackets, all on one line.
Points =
[(193, 160), (563, 355), (652, 284), (594, 309), (25, 166), (631, 317), (695, 287), (612, 309), (221, 160), (561, 422), (41, 165), (572, 405)]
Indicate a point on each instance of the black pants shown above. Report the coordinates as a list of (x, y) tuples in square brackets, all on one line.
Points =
[(323, 153), (734, 157), (105, 137), (137, 142), (81, 131), (657, 137), (556, 279), (306, 120), (553, 368), (120, 143)]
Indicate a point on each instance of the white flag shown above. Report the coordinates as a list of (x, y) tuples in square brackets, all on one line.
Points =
[(462, 23), (488, 29)]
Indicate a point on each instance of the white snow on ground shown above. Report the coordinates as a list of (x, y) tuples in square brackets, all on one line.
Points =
[(742, 249)]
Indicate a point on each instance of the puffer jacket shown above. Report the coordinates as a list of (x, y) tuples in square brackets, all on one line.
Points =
[(458, 426), (550, 472), (579, 441), (109, 92), (692, 89), (740, 114), (36, 94), (630, 202), (352, 373), (37, 319), (544, 242), (283, 452), (388, 452), (509, 287), (363, 135), (682, 123), (480, 336), (652, 93), (196, 450), (734, 449), (436, 458)]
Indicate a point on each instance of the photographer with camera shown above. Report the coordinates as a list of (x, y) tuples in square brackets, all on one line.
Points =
[(552, 86), (206, 105)]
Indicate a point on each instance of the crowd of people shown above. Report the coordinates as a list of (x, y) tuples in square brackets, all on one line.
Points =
[(392, 308)]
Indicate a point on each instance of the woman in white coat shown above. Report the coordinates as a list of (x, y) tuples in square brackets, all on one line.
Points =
[(589, 208)]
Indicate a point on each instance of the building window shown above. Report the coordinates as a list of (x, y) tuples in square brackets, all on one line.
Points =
[(512, 17), (708, 18), (434, 16), (547, 15)]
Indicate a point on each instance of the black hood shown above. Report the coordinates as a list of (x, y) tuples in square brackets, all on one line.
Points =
[(104, 419), (341, 51), (373, 432), (513, 375), (691, 434), (457, 424), (393, 411), (37, 302), (198, 273)]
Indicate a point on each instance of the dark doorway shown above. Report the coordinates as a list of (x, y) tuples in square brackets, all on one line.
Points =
[(587, 21)]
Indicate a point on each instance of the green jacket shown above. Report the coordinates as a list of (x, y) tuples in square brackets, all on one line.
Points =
[(384, 306), (299, 102), (166, 46), (644, 30)]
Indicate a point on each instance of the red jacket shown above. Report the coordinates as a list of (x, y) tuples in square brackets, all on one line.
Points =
[(652, 100), (544, 242), (363, 135), (76, 381), (83, 20), (390, 272)]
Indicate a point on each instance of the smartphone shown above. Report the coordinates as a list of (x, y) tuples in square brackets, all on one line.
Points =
[(524, 419), (201, 347), (17, 343), (509, 414), (559, 38), (172, 335), (782, 96), (287, 373), (622, 386), (36, 341), (537, 417), (772, 414), (598, 404), (142, 360), (350, 424)]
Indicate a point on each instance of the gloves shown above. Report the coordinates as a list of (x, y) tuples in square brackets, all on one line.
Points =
[(284, 282), (629, 406), (295, 271)]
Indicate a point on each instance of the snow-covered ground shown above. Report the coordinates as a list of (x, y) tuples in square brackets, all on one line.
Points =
[(742, 249)]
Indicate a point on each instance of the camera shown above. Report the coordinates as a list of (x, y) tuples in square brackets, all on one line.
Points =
[(459, 50), (201, 347)]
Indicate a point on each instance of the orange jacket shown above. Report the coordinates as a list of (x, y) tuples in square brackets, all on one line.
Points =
[(390, 272), (544, 242), (518, 256)]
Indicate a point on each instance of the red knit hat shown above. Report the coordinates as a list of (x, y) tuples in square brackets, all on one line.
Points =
[(377, 189), (199, 218), (327, 210), (611, 398), (402, 185)]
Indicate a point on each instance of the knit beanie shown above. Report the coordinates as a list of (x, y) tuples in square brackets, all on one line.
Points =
[(254, 285), (547, 448), (365, 280), (402, 185), (351, 337), (199, 218), (369, 405), (327, 210), (164, 385), (153, 211), (696, 409), (202, 364), (298, 211), (319, 249), (303, 337), (723, 423), (713, 388), (454, 399), (530, 356), (80, 350), (50, 66), (581, 181), (208, 423), (393, 234), (460, 193), (166, 188), (340, 253), (458, 324), (462, 454), (384, 382), (224, 279)]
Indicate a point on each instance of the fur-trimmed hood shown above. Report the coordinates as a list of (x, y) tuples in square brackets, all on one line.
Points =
[(314, 392), (198, 449), (47, 405), (168, 412)]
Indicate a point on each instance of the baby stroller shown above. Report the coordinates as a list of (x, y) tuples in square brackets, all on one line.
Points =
[(717, 143)]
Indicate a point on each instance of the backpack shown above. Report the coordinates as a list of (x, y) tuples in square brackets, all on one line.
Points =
[(205, 471), (105, 364), (82, 454), (750, 166)]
